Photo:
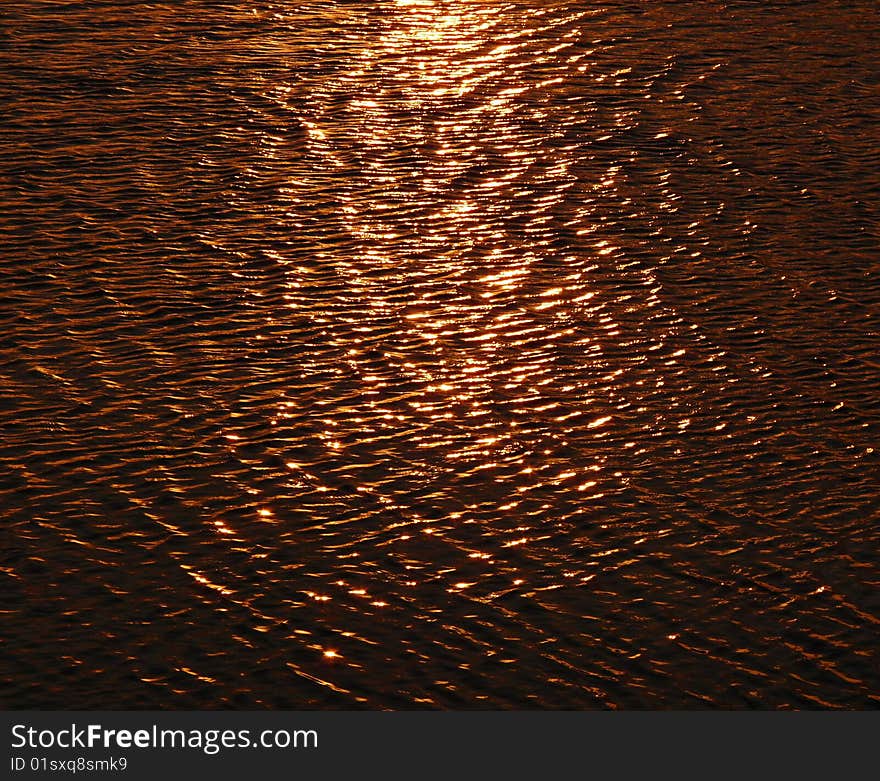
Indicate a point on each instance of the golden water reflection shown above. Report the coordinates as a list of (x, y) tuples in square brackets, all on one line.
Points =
[(445, 354)]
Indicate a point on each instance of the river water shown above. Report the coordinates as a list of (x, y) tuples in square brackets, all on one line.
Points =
[(440, 354)]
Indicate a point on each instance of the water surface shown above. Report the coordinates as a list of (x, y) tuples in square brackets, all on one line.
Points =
[(440, 354)]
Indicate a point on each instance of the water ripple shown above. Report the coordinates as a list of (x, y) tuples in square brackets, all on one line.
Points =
[(440, 354)]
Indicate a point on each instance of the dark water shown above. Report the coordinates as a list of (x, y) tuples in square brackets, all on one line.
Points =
[(440, 354)]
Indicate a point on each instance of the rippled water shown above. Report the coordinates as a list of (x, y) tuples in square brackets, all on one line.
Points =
[(440, 354)]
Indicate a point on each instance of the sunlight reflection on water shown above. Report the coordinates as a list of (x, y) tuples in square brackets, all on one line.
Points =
[(441, 354)]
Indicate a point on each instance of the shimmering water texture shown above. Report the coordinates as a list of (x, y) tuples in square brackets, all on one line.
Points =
[(440, 354)]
